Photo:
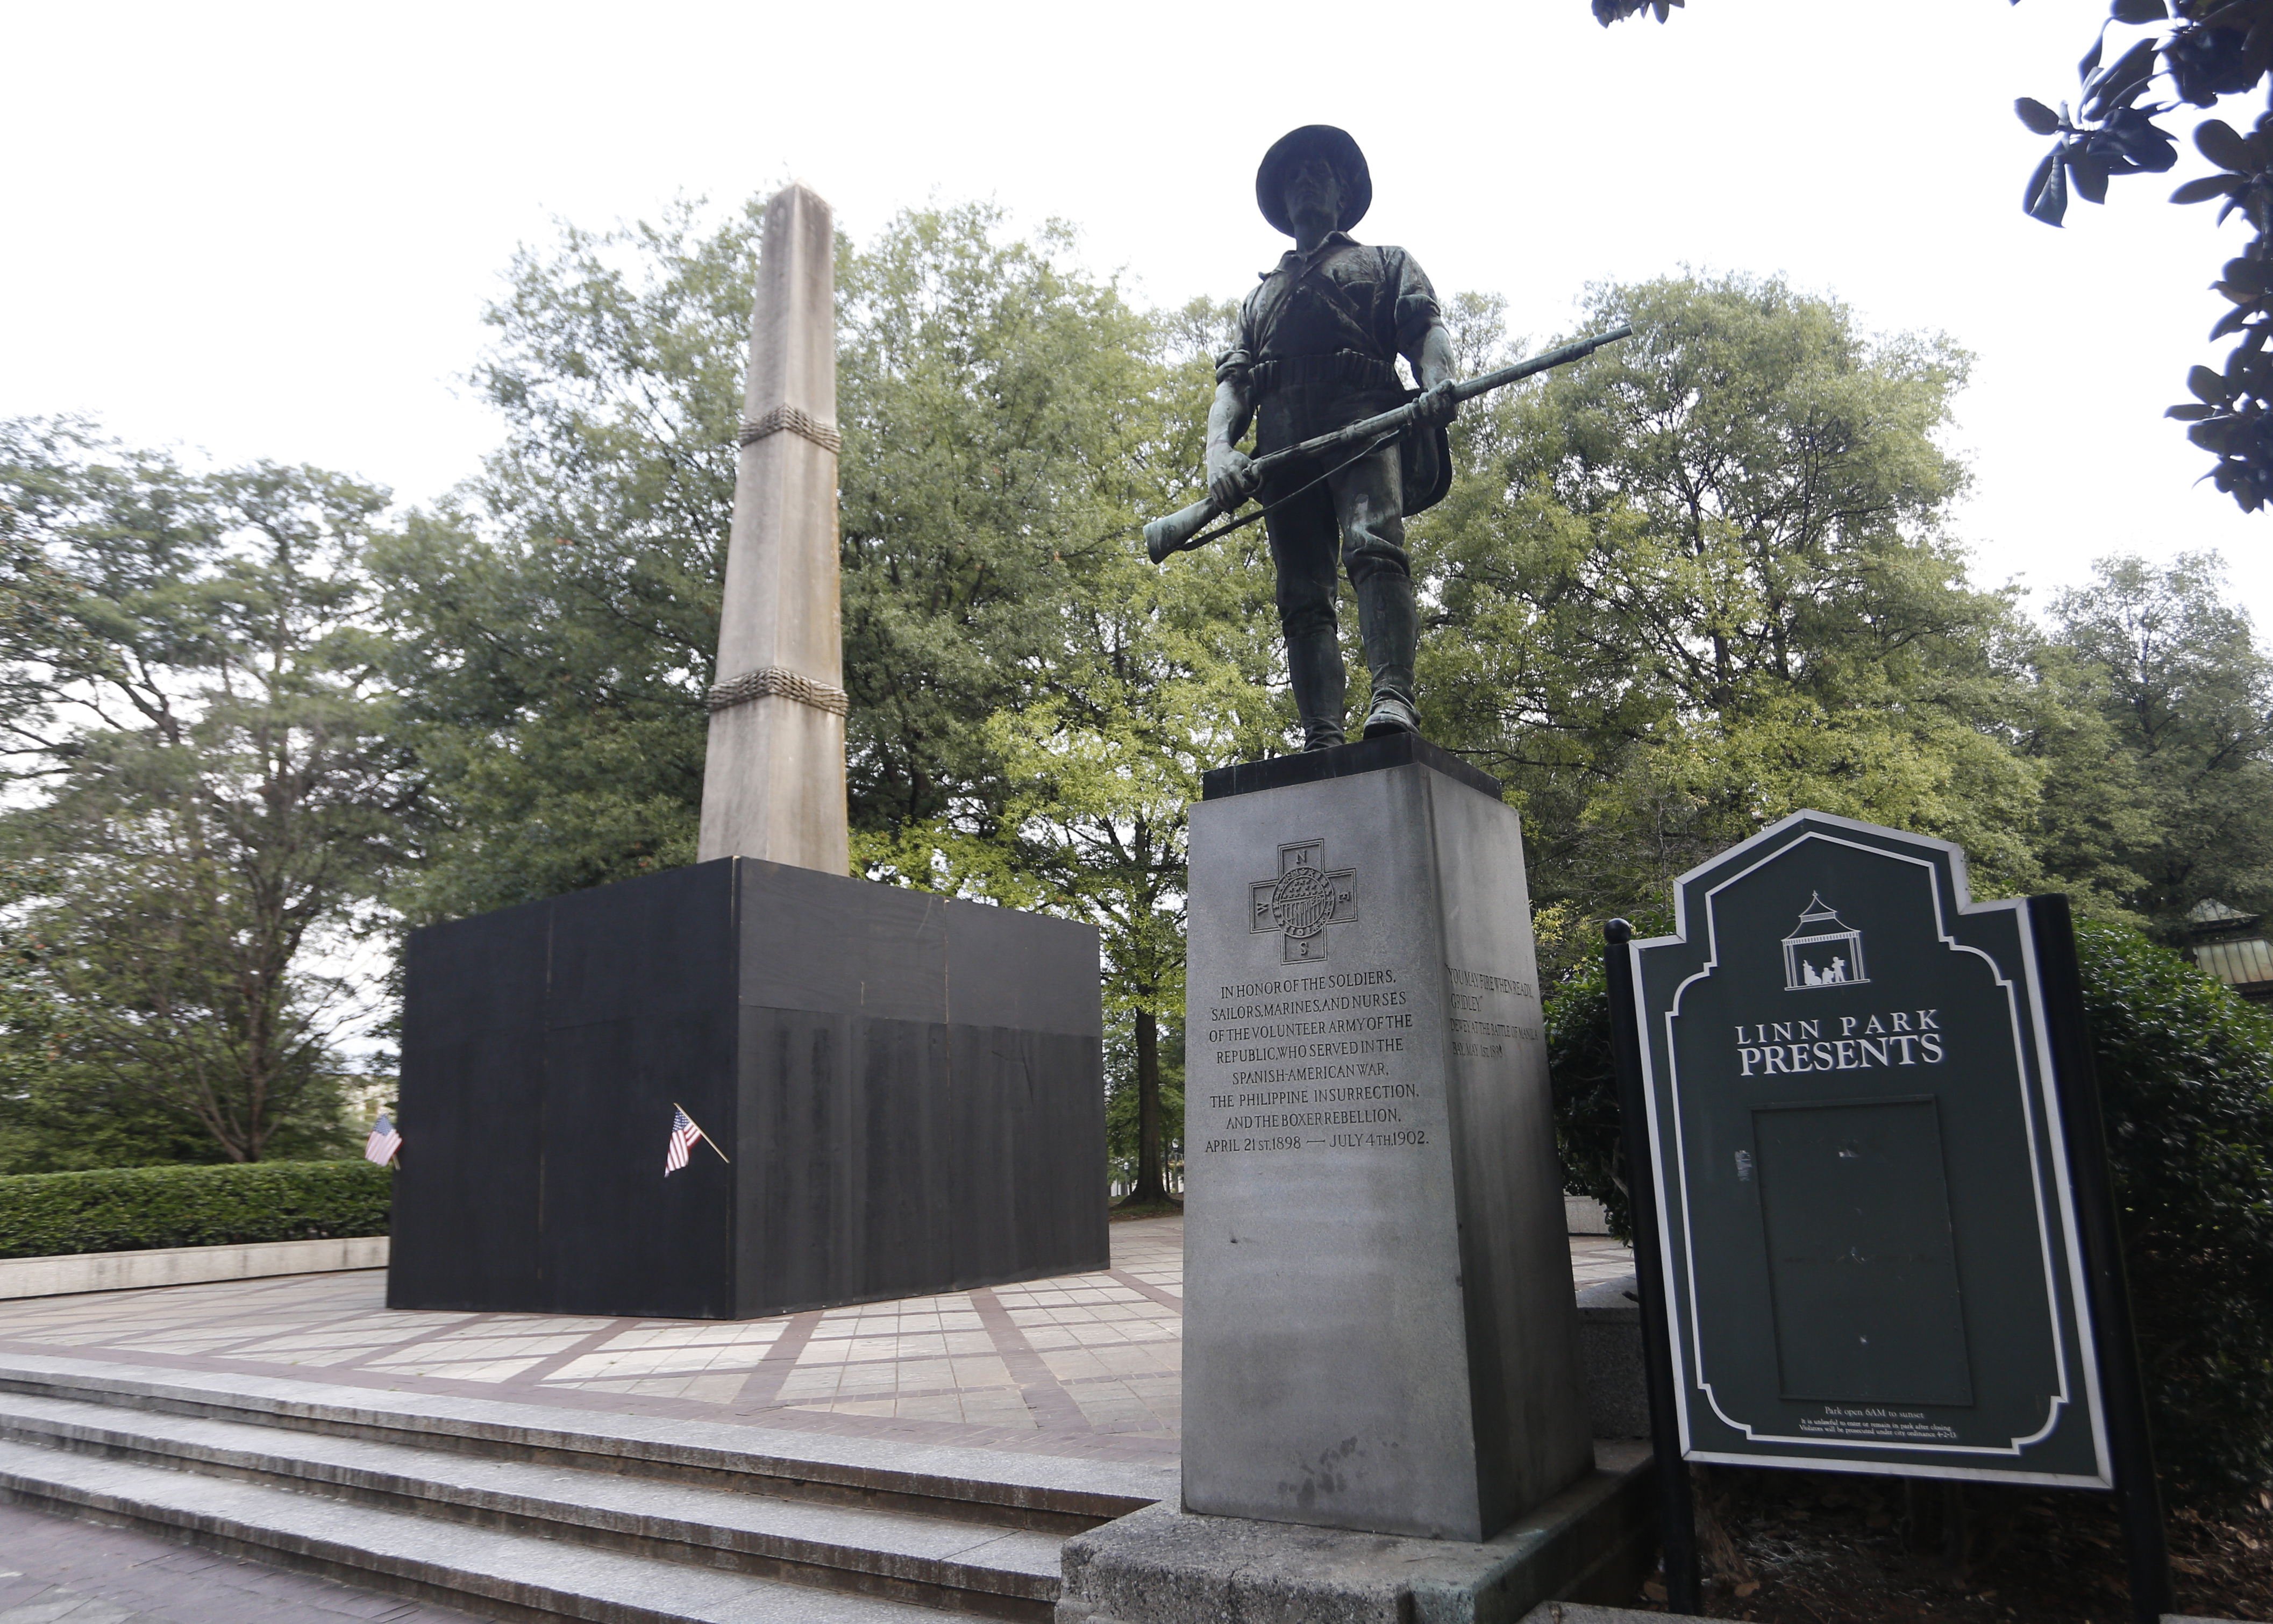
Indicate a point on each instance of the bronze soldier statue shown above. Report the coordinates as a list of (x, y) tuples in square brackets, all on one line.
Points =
[(1317, 348)]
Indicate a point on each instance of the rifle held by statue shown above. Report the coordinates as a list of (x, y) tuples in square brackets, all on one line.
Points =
[(1181, 531)]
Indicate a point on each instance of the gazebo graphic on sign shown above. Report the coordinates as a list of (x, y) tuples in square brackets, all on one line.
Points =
[(1823, 951)]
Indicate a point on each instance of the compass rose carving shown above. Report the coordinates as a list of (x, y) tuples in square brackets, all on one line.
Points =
[(1302, 902)]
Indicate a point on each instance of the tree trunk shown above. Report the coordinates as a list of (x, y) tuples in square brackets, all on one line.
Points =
[(1150, 1183)]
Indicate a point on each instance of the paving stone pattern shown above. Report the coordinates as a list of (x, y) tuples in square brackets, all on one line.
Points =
[(1081, 1364), (1086, 1364), (1597, 1257)]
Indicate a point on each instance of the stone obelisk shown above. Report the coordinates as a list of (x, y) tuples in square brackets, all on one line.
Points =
[(773, 785)]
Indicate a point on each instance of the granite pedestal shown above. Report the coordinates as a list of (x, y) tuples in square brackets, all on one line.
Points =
[(909, 1089), (1594, 1542), (1379, 1331), (1611, 1352)]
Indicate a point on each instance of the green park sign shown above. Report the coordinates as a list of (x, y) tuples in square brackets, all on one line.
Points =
[(1871, 1248)]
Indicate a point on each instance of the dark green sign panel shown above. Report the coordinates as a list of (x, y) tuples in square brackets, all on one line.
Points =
[(1869, 1240)]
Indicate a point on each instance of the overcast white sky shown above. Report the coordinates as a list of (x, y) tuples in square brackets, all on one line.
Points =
[(268, 230)]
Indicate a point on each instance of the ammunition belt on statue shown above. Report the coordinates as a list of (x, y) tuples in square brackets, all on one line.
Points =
[(1346, 367)]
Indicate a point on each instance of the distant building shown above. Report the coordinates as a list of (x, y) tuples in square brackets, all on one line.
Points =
[(2232, 946)]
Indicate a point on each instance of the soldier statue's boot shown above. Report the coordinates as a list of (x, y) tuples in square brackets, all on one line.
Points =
[(1391, 626), (1313, 661)]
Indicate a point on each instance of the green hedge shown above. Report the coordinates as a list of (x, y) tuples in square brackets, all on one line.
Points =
[(2185, 1078), (135, 1209)]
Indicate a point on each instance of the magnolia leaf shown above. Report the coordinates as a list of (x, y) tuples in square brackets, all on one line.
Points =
[(2155, 157), (2219, 142), (2190, 412), (2207, 385), (2232, 321), (2257, 51), (2138, 11), (2211, 436), (2090, 176), (2046, 197), (2208, 187), (2244, 273), (2035, 115), (2084, 70), (2141, 141), (2123, 79)]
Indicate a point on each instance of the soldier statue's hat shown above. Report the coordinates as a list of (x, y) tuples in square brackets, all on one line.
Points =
[(1324, 140)]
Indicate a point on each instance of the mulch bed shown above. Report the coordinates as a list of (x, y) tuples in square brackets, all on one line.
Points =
[(1786, 1547)]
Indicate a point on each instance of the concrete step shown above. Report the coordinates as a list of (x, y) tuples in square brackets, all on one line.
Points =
[(490, 1571), (1003, 1488), (929, 1560)]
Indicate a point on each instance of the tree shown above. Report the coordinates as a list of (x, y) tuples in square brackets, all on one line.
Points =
[(1131, 681), (1053, 418), (219, 803), (47, 486), (2186, 700), (1002, 414), (1701, 580), (2209, 50), (557, 620), (1162, 673)]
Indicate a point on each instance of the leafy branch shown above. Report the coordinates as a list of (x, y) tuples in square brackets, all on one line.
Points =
[(2206, 51), (2200, 51)]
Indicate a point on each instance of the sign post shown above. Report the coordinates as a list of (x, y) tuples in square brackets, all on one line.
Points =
[(1676, 1513), (1871, 1192)]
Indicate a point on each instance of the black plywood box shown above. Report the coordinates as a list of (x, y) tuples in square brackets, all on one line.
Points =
[(910, 1087)]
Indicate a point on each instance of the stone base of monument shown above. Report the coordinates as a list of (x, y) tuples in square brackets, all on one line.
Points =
[(1379, 1333), (1610, 1348), (904, 1093), (1594, 1542)]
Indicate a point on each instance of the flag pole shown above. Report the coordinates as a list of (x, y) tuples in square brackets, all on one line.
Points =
[(697, 1126)]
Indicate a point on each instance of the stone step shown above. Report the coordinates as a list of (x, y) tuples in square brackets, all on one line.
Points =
[(1000, 1487), (492, 1572), (925, 1560)]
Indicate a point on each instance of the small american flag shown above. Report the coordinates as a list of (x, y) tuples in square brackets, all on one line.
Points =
[(383, 1143), (683, 1135)]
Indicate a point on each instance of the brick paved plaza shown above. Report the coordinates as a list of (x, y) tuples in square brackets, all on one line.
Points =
[(1084, 1365)]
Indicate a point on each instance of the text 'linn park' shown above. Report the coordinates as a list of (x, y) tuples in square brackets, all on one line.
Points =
[(1904, 1037)]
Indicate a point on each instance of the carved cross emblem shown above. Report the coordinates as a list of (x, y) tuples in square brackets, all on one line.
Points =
[(1302, 902)]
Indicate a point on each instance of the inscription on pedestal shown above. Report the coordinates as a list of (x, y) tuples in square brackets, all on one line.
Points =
[(1479, 1002), (1310, 1061)]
